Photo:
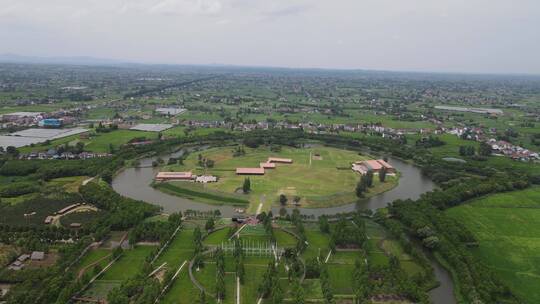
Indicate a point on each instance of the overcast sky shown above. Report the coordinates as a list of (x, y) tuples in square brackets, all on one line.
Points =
[(488, 36)]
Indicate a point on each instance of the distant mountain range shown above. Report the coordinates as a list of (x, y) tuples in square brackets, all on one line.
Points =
[(78, 60), (94, 61)]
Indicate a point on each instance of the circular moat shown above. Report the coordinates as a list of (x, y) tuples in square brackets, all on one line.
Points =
[(136, 183)]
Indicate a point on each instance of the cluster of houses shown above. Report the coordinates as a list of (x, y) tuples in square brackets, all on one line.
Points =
[(373, 165), (185, 176), (269, 164), (309, 127), (498, 147), (53, 154), (55, 119), (501, 147), (24, 259)]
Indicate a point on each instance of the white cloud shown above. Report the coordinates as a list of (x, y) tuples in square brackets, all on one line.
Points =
[(187, 7), (475, 35)]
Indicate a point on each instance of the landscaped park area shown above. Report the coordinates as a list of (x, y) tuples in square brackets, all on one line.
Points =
[(316, 177), (257, 246)]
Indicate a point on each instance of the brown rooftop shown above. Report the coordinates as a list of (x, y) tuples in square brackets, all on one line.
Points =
[(385, 164), (268, 165), (257, 171)]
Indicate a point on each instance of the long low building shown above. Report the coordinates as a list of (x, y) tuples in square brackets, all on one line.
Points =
[(280, 160), (36, 136), (170, 111), (250, 171), (163, 176), (151, 127)]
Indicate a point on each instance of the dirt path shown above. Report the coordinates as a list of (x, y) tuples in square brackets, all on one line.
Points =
[(237, 232), (328, 257), (82, 208), (86, 181), (262, 200), (237, 290)]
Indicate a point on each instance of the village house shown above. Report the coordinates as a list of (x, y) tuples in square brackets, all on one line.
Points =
[(206, 179)]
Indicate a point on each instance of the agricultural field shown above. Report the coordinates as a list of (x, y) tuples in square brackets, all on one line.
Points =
[(101, 142), (98, 142), (325, 180), (507, 227)]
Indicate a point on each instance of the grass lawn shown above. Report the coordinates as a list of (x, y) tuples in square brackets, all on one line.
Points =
[(91, 257), (284, 239), (321, 182), (317, 241), (206, 276), (252, 280), (215, 238), (70, 184), (128, 265), (507, 227), (183, 292), (200, 192), (344, 257), (179, 250), (341, 278)]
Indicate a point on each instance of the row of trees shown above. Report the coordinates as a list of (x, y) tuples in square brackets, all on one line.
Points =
[(346, 235), (219, 258), (269, 286), (155, 231), (365, 182)]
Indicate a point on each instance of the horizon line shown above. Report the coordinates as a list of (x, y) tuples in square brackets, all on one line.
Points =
[(65, 60)]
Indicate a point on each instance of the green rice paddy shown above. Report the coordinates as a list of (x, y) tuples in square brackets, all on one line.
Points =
[(507, 227)]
